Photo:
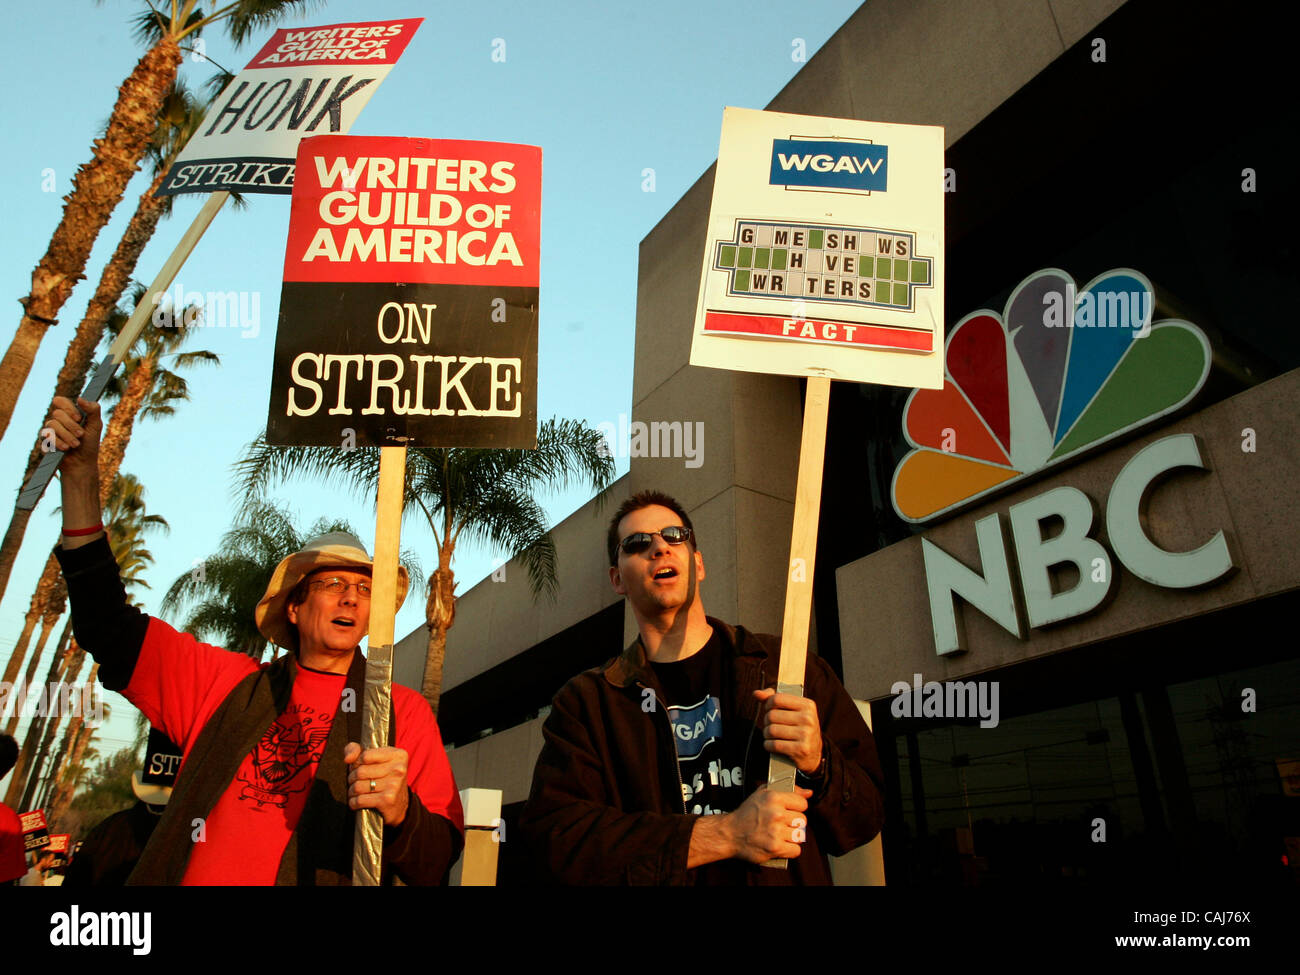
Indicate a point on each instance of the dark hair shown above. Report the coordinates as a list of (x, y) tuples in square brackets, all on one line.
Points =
[(8, 754), (298, 595), (644, 499)]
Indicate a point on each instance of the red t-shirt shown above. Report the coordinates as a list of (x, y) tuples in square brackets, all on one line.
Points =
[(179, 683), (13, 859)]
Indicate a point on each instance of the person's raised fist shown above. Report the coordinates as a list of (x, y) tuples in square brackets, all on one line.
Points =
[(66, 429)]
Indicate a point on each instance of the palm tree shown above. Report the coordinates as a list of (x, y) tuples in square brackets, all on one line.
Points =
[(100, 183), (72, 762), (72, 743), (65, 668), (181, 115), (124, 513), (128, 522), (222, 594), (125, 535), (144, 387), (470, 494)]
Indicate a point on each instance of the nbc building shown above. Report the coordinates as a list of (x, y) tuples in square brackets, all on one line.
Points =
[(1065, 586)]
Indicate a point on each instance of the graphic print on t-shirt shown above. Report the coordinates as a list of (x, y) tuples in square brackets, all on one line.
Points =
[(283, 762), (695, 726), (707, 786)]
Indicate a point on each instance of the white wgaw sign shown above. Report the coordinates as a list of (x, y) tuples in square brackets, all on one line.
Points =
[(824, 254)]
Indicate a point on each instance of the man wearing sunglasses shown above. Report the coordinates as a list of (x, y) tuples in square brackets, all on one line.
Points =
[(652, 766), (272, 773)]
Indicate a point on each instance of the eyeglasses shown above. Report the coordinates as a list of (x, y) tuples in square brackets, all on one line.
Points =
[(638, 542), (337, 587)]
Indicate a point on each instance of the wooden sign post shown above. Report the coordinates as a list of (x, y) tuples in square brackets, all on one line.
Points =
[(824, 259), (377, 701), (803, 555)]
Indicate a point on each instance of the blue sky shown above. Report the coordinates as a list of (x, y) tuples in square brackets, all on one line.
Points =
[(607, 90)]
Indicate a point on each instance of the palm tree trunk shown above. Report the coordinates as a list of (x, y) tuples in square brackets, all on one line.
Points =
[(65, 789), (118, 433), (59, 762), (72, 671), (36, 742), (432, 686), (38, 783), (440, 614), (76, 362), (96, 190), (38, 607), (76, 659), (47, 625)]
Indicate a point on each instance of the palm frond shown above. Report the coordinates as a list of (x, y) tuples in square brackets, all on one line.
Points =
[(250, 16)]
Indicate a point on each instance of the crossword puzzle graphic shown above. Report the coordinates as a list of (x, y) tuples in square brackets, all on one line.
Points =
[(850, 265)]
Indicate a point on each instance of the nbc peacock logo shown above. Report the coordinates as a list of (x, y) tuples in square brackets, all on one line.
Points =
[(1060, 372)]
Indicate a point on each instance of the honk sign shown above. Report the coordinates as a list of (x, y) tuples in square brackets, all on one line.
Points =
[(303, 82)]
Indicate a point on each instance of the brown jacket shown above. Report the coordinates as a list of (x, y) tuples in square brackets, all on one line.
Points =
[(606, 803)]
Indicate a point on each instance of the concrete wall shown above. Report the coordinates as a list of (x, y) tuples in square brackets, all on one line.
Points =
[(502, 761), (937, 62), (497, 619)]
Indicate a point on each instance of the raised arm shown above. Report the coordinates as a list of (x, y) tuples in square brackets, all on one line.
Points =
[(106, 626)]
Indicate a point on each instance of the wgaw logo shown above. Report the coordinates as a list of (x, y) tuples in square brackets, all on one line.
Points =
[(858, 167)]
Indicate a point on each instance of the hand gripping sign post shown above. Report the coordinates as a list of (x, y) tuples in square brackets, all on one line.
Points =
[(408, 317), (304, 81), (824, 259)]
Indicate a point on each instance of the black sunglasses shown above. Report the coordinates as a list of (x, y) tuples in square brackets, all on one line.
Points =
[(638, 542)]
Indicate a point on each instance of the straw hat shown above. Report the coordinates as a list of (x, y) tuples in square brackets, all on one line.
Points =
[(335, 550)]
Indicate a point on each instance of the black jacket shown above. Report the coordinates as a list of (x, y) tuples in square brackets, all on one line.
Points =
[(606, 806)]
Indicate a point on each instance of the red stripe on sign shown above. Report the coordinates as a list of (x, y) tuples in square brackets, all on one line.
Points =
[(358, 44), (388, 209), (812, 330)]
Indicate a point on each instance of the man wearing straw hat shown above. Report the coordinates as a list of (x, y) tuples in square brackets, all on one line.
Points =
[(272, 773)]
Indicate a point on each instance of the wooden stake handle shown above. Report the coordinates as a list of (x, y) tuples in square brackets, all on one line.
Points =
[(376, 711), (171, 267), (799, 579)]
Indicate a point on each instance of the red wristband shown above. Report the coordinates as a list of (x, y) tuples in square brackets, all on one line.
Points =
[(73, 533)]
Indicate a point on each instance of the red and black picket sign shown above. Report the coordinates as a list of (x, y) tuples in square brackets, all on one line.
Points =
[(162, 760), (408, 313), (36, 833)]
